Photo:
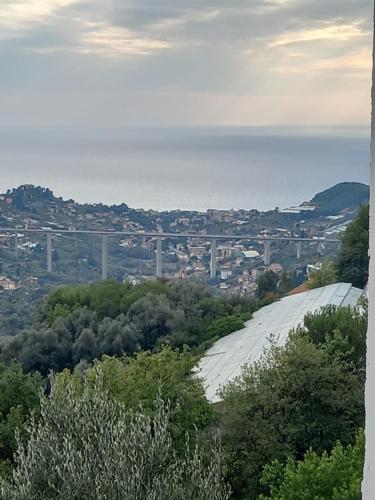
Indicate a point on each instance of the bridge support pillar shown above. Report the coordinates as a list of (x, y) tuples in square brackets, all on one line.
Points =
[(267, 253), (159, 263), (213, 266), (299, 249), (16, 244), (104, 257), (320, 248), (49, 253)]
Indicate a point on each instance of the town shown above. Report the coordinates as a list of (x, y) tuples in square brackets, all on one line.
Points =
[(239, 263)]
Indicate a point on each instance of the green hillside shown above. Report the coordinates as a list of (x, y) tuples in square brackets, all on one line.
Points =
[(345, 195)]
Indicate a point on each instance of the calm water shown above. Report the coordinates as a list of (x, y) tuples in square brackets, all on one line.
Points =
[(185, 168)]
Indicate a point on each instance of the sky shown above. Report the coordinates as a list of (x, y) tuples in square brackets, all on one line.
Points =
[(116, 63)]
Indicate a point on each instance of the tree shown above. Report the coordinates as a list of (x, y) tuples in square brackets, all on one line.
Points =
[(137, 382), (353, 259), (332, 476), (294, 398), (285, 283), (19, 397), (341, 331), (155, 319), (87, 445), (326, 275), (267, 284), (81, 323)]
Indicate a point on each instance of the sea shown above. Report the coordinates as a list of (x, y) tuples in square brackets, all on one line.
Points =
[(185, 168)]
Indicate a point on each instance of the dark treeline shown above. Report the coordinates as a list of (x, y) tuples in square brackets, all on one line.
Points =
[(81, 323)]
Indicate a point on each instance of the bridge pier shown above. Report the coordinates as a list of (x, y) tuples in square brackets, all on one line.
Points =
[(49, 253), (213, 266), (320, 248), (104, 257), (267, 252), (16, 244), (159, 263), (299, 249)]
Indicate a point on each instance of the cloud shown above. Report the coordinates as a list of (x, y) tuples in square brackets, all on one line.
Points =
[(117, 41), (19, 13), (327, 31), (212, 62), (192, 17), (356, 64)]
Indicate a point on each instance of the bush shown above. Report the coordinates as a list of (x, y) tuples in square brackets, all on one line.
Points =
[(340, 330), (334, 476)]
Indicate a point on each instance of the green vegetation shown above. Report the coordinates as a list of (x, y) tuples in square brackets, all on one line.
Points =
[(19, 397), (88, 445), (125, 417), (305, 395), (334, 476), (267, 285), (139, 381), (81, 323), (285, 284), (353, 259), (326, 275), (342, 196), (341, 332)]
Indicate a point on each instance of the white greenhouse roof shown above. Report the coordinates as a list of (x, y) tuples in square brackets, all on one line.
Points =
[(223, 361)]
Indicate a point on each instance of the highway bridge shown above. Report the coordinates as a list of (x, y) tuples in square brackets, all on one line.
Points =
[(159, 237)]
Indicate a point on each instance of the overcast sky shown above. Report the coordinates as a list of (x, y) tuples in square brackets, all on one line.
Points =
[(185, 62)]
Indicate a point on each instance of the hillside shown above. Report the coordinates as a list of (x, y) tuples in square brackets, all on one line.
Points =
[(77, 258), (343, 196)]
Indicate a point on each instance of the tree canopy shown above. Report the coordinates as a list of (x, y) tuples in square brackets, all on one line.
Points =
[(138, 382), (304, 395), (88, 445), (267, 284), (19, 397), (81, 323), (330, 476), (353, 259)]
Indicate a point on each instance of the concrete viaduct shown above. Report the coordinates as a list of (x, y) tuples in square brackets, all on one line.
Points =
[(214, 238)]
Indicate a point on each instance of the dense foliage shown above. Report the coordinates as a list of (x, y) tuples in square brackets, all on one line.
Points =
[(334, 476), (305, 395), (353, 259), (19, 397), (341, 331), (81, 323), (139, 381), (267, 285), (88, 445), (308, 394)]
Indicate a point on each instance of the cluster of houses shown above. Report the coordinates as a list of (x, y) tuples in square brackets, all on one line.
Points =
[(238, 264)]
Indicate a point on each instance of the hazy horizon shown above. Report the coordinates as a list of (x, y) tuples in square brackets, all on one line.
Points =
[(187, 168)]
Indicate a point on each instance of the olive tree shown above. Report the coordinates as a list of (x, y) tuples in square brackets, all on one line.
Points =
[(87, 445)]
